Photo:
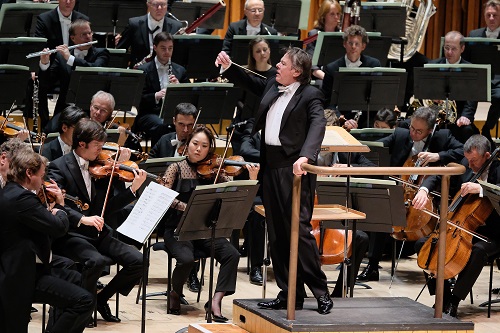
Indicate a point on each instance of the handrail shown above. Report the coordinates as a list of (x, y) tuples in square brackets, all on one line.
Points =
[(450, 170)]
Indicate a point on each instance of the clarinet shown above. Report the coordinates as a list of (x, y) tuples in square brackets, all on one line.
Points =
[(36, 85)]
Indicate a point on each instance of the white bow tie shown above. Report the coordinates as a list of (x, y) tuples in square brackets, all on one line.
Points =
[(283, 89), (81, 54), (84, 166), (174, 142)]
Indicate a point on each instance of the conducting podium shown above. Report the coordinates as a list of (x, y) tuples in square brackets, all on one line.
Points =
[(239, 48), (368, 89), (19, 19), (14, 51), (124, 84)]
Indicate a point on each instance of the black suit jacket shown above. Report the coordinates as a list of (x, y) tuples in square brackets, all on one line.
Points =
[(26, 231), (442, 142), (152, 85), (331, 68), (52, 150), (464, 108), (240, 28), (303, 123), (66, 172), (60, 71), (136, 36), (48, 26), (163, 148)]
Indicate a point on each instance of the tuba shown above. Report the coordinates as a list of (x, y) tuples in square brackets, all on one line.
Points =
[(417, 20)]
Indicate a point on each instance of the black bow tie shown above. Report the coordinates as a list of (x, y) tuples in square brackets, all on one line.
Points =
[(154, 30)]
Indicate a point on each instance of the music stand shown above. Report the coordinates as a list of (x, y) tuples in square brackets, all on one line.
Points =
[(330, 47), (14, 51), (378, 154), (13, 80), (124, 84), (157, 166), (456, 82), (196, 53), (216, 100), (111, 15), (371, 134), (388, 18), (202, 218), (482, 51), (190, 11), (118, 58), (368, 89), (283, 15), (19, 19), (239, 48)]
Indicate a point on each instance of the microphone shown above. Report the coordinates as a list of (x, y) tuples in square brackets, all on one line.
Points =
[(241, 123)]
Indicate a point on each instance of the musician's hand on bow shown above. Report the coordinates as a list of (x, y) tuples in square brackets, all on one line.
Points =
[(122, 130), (64, 51), (350, 124), (160, 94), (93, 221), (469, 188), (140, 177), (45, 58), (173, 79), (427, 157), (223, 60), (125, 154), (463, 121), (117, 38), (23, 134), (253, 170), (420, 200), (297, 166)]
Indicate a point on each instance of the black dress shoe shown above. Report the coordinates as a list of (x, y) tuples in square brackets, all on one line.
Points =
[(175, 303), (325, 304), (100, 285), (451, 309), (256, 276), (370, 273), (277, 304), (193, 282), (105, 311)]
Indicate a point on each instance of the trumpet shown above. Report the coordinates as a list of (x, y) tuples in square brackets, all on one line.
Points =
[(37, 54)]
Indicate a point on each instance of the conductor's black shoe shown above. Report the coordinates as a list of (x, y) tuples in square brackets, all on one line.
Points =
[(193, 282), (99, 285), (277, 304), (105, 311), (370, 273), (325, 304), (256, 276)]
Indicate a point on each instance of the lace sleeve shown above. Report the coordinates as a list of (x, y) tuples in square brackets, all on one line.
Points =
[(171, 174)]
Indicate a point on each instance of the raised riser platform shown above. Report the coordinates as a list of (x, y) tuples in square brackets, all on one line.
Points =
[(384, 314)]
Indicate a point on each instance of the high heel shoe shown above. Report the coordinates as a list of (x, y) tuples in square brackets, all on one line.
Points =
[(216, 318), (175, 304)]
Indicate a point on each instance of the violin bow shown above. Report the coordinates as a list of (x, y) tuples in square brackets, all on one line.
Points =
[(195, 122), (109, 187), (6, 120), (110, 122), (224, 155)]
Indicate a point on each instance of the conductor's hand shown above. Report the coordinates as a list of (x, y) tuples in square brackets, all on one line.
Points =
[(420, 200), (463, 121), (426, 158), (297, 166), (140, 177), (469, 188), (253, 170), (223, 60), (45, 58), (93, 221), (160, 94), (64, 51)]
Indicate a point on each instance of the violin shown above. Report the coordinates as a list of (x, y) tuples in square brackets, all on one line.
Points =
[(49, 197), (11, 128), (112, 148), (231, 166), (465, 215)]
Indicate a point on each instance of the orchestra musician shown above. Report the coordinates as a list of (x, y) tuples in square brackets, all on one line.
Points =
[(355, 42), (464, 127), (385, 118), (159, 74), (89, 241), (477, 152), (492, 30), (404, 143), (297, 141), (141, 30), (26, 271), (251, 25), (328, 20), (183, 177)]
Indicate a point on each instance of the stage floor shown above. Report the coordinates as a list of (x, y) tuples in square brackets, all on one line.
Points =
[(360, 314)]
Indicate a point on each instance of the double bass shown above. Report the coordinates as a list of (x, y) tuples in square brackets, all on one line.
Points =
[(465, 215)]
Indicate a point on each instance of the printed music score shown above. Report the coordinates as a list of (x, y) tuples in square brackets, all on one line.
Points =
[(337, 139)]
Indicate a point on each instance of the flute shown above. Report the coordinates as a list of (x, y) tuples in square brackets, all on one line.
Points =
[(37, 54)]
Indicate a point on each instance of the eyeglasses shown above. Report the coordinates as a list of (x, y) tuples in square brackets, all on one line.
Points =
[(417, 131), (98, 109), (256, 10), (157, 5)]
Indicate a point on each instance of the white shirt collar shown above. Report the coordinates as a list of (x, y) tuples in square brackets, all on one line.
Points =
[(290, 89), (251, 30), (349, 63), (81, 54), (83, 163), (62, 17), (159, 65), (458, 62), (2, 182), (492, 34), (64, 147), (152, 23)]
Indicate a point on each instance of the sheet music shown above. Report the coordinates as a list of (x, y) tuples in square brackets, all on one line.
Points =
[(148, 211)]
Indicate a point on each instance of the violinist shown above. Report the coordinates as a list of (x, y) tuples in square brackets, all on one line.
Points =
[(183, 178), (404, 143), (89, 241), (66, 124), (385, 118), (26, 271), (477, 152)]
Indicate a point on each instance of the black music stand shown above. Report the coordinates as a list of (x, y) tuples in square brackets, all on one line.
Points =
[(283, 15), (190, 11), (483, 51), (216, 100), (370, 134), (202, 218), (124, 84), (456, 82), (19, 19), (14, 51), (13, 80), (239, 48), (196, 53), (387, 18), (111, 15), (378, 154), (368, 89), (330, 47), (157, 166)]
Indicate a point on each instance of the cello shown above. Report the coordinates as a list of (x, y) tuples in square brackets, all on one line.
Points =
[(465, 215)]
